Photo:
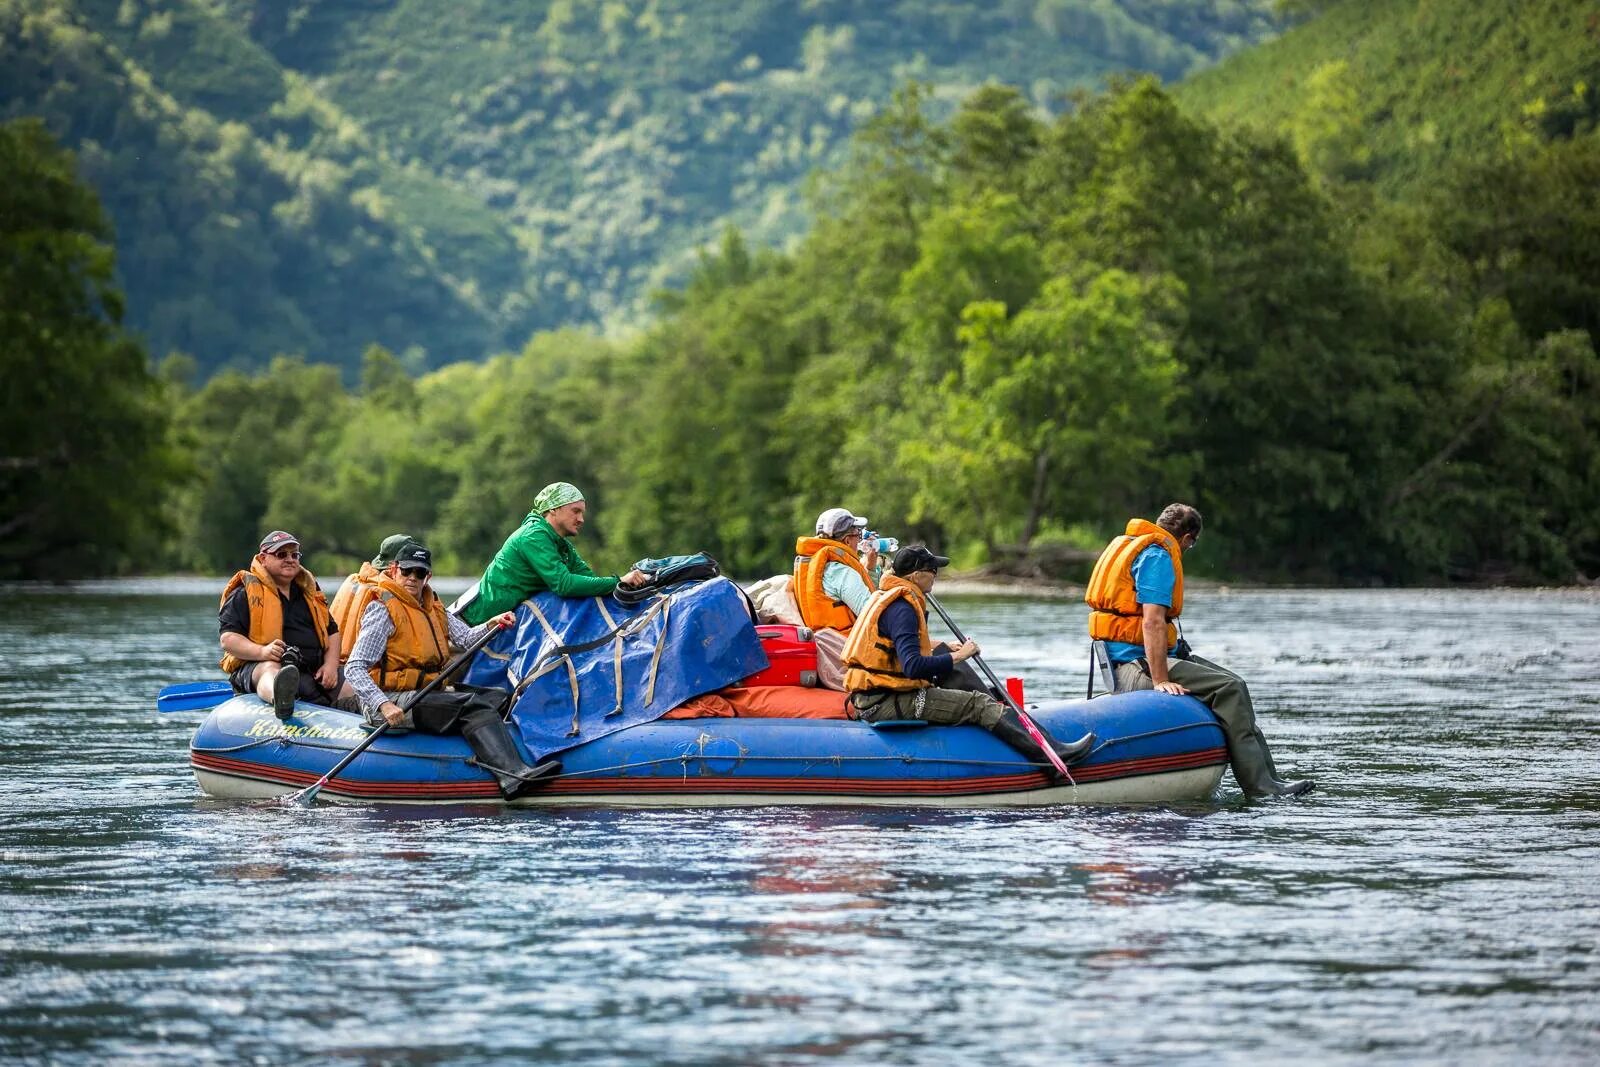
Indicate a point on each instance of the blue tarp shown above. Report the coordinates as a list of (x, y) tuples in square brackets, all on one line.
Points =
[(689, 640)]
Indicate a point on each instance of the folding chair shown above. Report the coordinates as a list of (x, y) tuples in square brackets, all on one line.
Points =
[(1100, 665)]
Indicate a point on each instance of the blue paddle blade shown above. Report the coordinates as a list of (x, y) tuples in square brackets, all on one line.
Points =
[(193, 696)]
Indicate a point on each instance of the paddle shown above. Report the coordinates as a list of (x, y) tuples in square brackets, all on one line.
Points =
[(308, 796), (1027, 723), (193, 696)]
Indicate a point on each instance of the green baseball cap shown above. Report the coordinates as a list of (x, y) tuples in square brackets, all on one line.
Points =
[(390, 549)]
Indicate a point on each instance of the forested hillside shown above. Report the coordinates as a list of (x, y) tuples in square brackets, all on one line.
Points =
[(251, 217), (1008, 329), (1398, 92), (444, 179)]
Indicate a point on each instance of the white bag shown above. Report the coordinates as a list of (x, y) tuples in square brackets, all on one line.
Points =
[(774, 600)]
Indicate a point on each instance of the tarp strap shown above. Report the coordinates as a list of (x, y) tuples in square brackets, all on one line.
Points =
[(661, 643), (572, 681), (561, 656), (616, 666), (616, 650), (600, 602)]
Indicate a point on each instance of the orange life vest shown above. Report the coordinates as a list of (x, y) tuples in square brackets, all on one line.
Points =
[(351, 601), (420, 643), (818, 610), (869, 657), (266, 609), (1116, 614)]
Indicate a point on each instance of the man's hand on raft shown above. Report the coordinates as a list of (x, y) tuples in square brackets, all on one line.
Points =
[(635, 577), (1171, 687), (328, 675)]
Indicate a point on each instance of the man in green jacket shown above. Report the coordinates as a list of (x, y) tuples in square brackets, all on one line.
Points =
[(539, 555)]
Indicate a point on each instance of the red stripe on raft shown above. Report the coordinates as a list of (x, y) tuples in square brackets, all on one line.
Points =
[(722, 784), (352, 787)]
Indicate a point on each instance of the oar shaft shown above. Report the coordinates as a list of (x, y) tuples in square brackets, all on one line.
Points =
[(1027, 721), (978, 660)]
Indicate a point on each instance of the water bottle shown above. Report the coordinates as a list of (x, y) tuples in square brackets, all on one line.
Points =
[(884, 545)]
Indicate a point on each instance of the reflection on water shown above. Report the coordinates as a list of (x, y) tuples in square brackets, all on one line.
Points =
[(1432, 901)]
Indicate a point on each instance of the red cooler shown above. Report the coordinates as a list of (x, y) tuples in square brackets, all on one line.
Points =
[(791, 656)]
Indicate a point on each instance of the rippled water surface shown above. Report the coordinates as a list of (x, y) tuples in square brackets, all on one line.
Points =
[(1433, 901)]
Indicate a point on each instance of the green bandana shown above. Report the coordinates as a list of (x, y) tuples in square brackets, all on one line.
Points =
[(556, 495)]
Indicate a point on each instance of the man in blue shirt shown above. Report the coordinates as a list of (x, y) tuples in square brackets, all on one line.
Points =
[(1136, 593)]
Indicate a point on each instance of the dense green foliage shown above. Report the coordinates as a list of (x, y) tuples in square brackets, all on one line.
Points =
[(1004, 330), (84, 456), (1398, 91), (444, 179), (273, 228), (1008, 329)]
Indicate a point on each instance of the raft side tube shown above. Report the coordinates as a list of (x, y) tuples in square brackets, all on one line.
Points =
[(1150, 748)]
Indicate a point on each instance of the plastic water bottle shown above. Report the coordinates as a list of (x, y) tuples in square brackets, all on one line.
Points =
[(884, 545)]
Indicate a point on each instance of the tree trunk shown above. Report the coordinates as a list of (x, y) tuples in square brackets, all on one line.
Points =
[(1041, 465)]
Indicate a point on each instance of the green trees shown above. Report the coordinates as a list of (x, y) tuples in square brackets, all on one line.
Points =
[(1005, 331), (85, 454), (1062, 397)]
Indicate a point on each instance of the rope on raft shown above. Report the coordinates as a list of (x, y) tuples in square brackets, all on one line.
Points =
[(683, 758)]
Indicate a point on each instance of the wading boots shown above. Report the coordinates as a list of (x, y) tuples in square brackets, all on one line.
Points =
[(496, 753), (1010, 730)]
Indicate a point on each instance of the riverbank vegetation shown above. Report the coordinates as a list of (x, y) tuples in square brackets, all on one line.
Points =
[(1008, 330)]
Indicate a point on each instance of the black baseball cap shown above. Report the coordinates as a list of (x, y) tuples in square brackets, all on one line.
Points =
[(913, 558), (412, 554)]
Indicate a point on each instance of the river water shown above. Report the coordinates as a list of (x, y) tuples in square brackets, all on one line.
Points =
[(1434, 900)]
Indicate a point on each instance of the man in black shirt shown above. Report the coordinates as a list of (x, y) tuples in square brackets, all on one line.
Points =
[(277, 636)]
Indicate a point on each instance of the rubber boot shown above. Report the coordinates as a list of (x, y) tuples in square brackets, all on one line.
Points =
[(1256, 773), (1010, 730), (497, 753), (285, 687)]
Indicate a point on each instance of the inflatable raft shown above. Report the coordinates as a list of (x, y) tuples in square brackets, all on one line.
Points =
[(1150, 748)]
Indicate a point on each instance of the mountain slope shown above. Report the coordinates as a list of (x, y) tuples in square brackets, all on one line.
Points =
[(1395, 90), (318, 175), (254, 228), (619, 135)]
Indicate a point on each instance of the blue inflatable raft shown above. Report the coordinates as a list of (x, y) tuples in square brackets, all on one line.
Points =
[(1151, 748)]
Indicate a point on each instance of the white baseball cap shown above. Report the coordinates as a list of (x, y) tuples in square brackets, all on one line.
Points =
[(836, 522)]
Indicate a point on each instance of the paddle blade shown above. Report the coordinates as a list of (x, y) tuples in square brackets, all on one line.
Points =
[(1039, 739), (307, 797), (193, 696)]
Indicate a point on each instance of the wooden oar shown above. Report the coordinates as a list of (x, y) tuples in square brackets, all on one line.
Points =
[(308, 796), (1027, 723)]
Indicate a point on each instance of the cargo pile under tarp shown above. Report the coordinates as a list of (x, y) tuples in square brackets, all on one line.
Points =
[(579, 669)]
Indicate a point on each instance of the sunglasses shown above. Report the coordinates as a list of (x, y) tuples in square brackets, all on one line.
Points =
[(287, 554), (419, 573)]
